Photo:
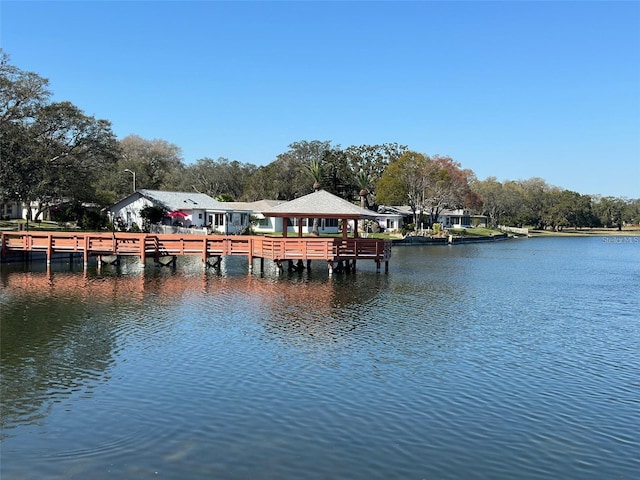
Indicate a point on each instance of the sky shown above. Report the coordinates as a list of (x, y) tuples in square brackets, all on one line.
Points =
[(509, 89)]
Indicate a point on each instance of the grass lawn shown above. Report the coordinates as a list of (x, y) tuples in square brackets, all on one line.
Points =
[(16, 225)]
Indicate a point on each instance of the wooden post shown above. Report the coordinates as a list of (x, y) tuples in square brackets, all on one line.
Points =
[(204, 250), (49, 249), (143, 252), (85, 254)]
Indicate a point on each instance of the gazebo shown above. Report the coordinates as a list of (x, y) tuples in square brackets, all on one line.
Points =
[(320, 204), (345, 251)]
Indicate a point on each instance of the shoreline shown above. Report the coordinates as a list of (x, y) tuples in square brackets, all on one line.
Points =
[(590, 232)]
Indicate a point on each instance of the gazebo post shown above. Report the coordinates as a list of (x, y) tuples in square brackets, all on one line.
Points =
[(285, 226)]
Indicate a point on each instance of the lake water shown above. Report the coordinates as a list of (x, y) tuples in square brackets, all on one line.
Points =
[(516, 359)]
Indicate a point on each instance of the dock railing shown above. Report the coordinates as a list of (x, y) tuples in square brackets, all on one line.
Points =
[(146, 245)]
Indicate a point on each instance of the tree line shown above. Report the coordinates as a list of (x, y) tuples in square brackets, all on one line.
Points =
[(52, 154)]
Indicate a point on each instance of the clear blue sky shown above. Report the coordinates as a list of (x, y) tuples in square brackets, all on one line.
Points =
[(510, 89)]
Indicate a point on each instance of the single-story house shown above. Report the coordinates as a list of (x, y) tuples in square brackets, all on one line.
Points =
[(10, 209), (260, 223), (454, 218), (185, 209)]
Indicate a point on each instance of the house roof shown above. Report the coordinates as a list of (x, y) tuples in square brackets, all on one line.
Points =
[(257, 206), (183, 200), (395, 210), (319, 204)]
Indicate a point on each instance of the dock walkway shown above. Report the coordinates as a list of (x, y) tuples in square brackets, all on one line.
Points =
[(156, 246)]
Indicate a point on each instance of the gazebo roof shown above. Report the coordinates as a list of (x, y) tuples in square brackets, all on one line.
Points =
[(319, 204)]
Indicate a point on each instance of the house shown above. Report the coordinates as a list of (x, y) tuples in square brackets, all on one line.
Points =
[(259, 223), (11, 209), (449, 218), (185, 209)]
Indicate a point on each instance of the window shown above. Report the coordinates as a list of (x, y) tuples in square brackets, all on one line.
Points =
[(331, 222), (293, 222)]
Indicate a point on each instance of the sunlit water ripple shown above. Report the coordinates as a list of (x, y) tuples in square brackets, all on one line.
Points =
[(510, 360)]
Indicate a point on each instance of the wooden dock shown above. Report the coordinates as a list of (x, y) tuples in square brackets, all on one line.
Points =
[(335, 251)]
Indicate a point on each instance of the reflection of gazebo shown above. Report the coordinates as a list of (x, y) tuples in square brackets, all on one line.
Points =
[(320, 204)]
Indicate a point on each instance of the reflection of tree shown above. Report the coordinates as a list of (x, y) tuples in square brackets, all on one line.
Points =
[(49, 348)]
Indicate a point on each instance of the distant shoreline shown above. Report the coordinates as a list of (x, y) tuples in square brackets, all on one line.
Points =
[(587, 232)]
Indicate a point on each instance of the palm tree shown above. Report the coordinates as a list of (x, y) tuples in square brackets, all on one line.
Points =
[(315, 171), (362, 180)]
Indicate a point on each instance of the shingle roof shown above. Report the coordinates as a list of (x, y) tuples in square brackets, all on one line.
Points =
[(320, 203), (257, 206), (183, 200)]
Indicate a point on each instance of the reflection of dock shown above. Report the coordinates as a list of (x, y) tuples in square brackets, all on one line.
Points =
[(103, 246)]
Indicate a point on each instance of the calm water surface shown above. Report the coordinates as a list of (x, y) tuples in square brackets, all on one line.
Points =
[(518, 359)]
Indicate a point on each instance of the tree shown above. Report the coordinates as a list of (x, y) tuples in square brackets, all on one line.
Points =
[(157, 163), (337, 176), (536, 201), (22, 94), (569, 209), (217, 177), (447, 186), (373, 160), (404, 182), (315, 171), (50, 151), (610, 211), (631, 214), (286, 177), (150, 215), (499, 201)]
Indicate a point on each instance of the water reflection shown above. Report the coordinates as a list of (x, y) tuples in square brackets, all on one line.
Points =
[(49, 349), (62, 330)]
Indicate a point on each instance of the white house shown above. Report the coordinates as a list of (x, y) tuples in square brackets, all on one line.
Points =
[(456, 218), (186, 209), (261, 224)]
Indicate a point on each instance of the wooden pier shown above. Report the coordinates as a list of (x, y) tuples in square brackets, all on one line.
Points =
[(334, 251)]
